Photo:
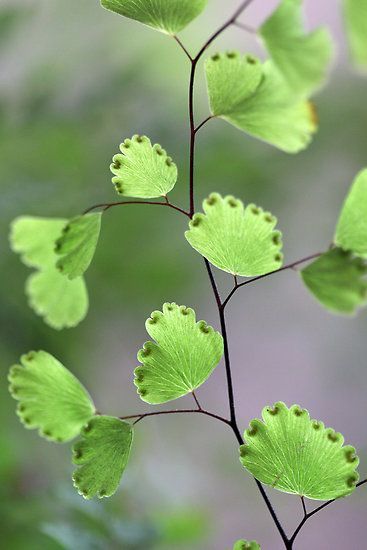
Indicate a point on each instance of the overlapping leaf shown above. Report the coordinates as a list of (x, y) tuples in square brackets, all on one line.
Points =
[(338, 281), (143, 170), (61, 302), (181, 358), (167, 16), (351, 231), (246, 545), (77, 244), (294, 454), (102, 455), (302, 58), (231, 79), (355, 14), (272, 112), (50, 397), (239, 240)]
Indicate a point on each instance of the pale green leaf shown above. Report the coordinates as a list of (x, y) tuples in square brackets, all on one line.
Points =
[(182, 357), (246, 545), (231, 79), (102, 455), (351, 231), (77, 244), (50, 397), (143, 170), (275, 115), (294, 454), (239, 240), (355, 14), (62, 303), (33, 239), (338, 281), (167, 16), (302, 58)]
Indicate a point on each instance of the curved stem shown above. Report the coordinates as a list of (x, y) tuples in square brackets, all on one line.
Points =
[(107, 205), (175, 411), (254, 279), (182, 46)]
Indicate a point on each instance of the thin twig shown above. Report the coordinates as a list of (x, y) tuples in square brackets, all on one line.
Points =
[(107, 205), (258, 278), (182, 46), (304, 506), (245, 27), (197, 401), (141, 416), (203, 123)]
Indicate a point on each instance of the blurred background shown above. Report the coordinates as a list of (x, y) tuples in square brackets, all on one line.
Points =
[(75, 81)]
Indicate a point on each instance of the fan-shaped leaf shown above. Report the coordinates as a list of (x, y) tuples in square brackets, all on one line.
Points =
[(77, 244), (272, 113), (62, 303), (351, 231), (239, 240), (355, 12), (33, 239), (167, 16), (295, 454), (246, 545), (102, 455), (302, 58), (182, 357), (231, 79), (50, 397), (142, 170), (338, 281)]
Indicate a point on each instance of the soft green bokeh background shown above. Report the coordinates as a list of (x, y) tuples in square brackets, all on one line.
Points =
[(76, 81)]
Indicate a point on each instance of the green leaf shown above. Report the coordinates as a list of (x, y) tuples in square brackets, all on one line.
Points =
[(355, 14), (182, 357), (273, 113), (246, 545), (77, 244), (33, 239), (62, 303), (338, 281), (142, 170), (231, 79), (239, 240), (294, 454), (351, 231), (302, 58), (167, 16), (102, 455), (50, 397)]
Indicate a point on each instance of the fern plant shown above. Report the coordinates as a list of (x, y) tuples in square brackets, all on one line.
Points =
[(285, 450)]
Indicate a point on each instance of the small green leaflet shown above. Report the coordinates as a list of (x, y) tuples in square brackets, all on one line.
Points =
[(239, 240), (246, 545), (167, 16), (102, 455), (50, 397), (294, 454), (338, 281), (143, 170), (272, 113), (351, 231), (244, 74), (302, 58), (355, 15), (62, 303), (77, 244), (183, 356)]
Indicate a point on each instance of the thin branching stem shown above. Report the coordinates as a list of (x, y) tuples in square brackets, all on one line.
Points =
[(254, 279), (141, 416), (107, 205), (183, 47)]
